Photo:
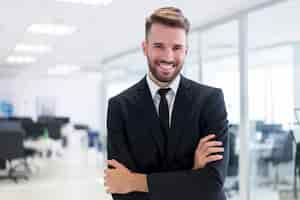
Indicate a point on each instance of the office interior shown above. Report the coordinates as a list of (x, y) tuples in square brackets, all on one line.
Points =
[(61, 60)]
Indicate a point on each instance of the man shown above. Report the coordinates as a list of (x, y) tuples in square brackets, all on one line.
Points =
[(167, 135)]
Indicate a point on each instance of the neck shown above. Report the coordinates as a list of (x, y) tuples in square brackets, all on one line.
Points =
[(159, 83)]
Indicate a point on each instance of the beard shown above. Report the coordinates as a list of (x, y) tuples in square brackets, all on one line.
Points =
[(156, 74)]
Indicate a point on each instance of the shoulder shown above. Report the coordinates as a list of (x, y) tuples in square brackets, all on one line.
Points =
[(127, 94), (200, 88)]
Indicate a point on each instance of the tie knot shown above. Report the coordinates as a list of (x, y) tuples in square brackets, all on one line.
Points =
[(163, 91)]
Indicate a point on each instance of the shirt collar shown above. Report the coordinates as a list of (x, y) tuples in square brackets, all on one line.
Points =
[(154, 87)]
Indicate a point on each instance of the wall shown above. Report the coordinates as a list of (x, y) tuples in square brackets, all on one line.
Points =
[(77, 98)]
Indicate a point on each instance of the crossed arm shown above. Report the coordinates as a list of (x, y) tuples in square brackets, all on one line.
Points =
[(121, 180), (205, 179)]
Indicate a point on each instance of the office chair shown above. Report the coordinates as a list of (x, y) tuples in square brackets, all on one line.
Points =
[(62, 120), (53, 128), (2, 164), (81, 127), (282, 152), (233, 163), (11, 147), (32, 131)]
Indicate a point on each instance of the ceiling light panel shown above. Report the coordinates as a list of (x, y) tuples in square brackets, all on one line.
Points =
[(63, 69), (20, 59), (51, 29), (90, 2), (32, 48)]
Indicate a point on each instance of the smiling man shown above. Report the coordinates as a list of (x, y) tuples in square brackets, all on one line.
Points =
[(167, 135)]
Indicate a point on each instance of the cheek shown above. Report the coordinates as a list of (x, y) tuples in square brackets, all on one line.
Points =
[(154, 58), (155, 53), (180, 58)]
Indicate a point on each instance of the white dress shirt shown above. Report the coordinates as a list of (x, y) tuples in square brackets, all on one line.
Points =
[(170, 96)]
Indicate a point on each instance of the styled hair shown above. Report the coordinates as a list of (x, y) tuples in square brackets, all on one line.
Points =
[(168, 16)]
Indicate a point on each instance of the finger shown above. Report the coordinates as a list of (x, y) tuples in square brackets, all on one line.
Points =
[(114, 163), (108, 173), (214, 150), (108, 191), (106, 180), (105, 172), (209, 144), (213, 158), (107, 164), (205, 139), (208, 137), (213, 144)]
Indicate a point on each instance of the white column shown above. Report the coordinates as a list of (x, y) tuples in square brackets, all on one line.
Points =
[(103, 112), (244, 115), (200, 58), (296, 55), (103, 106)]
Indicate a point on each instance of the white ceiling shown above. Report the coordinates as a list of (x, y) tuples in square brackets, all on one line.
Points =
[(102, 31)]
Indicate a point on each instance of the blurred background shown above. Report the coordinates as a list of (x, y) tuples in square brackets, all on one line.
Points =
[(61, 60)]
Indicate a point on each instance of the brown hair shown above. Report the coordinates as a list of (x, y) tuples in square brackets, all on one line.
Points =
[(168, 16)]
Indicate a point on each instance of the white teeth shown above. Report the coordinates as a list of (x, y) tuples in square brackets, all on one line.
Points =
[(167, 66)]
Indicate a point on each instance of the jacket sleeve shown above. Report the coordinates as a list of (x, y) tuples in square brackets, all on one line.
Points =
[(206, 183), (117, 145)]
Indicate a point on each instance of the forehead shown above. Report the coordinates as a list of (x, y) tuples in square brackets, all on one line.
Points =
[(165, 34)]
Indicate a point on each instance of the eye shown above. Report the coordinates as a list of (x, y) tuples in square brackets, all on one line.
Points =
[(177, 48), (157, 46)]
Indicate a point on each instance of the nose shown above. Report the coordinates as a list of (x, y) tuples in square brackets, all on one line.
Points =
[(168, 54)]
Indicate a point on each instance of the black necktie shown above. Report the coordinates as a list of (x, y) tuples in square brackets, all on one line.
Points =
[(163, 111)]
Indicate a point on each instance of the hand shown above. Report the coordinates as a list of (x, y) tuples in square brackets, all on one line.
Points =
[(117, 180), (205, 148)]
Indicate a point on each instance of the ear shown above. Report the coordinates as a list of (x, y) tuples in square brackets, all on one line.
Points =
[(186, 50), (144, 46)]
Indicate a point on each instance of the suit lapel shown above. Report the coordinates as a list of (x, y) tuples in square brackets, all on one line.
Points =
[(146, 105), (145, 101), (181, 104)]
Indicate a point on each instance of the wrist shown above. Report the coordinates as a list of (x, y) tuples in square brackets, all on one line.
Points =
[(139, 182), (195, 167)]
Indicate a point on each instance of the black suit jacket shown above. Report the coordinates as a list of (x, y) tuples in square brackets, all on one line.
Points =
[(136, 140)]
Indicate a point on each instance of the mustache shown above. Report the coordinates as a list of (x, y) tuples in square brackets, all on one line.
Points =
[(167, 62)]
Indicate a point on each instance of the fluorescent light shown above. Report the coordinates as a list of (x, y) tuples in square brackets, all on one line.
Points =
[(63, 69), (21, 59), (106, 2), (91, 2), (32, 48), (51, 29)]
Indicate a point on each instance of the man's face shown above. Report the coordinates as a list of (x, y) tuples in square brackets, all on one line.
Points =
[(165, 49)]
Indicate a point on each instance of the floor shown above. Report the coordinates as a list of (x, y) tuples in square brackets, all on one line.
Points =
[(78, 174)]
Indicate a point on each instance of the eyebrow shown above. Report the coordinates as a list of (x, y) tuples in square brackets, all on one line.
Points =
[(157, 43), (160, 43), (179, 45)]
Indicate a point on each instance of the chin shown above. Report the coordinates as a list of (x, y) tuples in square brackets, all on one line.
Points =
[(166, 79)]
